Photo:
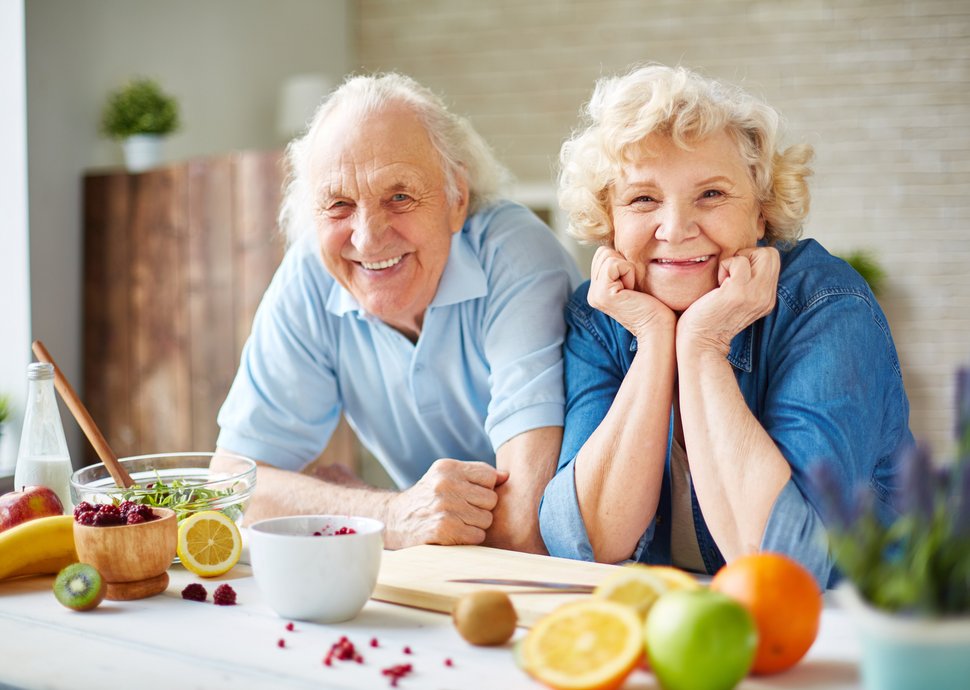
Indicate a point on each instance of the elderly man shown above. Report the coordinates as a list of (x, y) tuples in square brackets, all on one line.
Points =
[(424, 310)]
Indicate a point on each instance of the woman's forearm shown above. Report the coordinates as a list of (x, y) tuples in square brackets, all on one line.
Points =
[(619, 469), (736, 468)]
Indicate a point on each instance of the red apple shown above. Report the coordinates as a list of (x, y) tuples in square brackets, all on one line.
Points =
[(29, 503)]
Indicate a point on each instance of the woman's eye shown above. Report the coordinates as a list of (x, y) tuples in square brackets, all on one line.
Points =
[(711, 194), (643, 199), (400, 196)]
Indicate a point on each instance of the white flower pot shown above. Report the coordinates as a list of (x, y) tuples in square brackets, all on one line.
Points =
[(142, 152), (902, 652)]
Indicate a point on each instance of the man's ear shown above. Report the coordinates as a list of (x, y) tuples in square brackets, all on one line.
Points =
[(459, 211)]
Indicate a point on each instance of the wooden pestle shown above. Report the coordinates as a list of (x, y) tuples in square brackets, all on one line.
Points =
[(83, 417)]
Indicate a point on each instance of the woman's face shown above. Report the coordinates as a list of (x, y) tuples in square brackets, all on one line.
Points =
[(677, 213)]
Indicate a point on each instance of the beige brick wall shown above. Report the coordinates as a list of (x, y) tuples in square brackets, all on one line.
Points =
[(881, 88)]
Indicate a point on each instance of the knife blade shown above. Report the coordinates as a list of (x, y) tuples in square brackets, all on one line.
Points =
[(561, 587)]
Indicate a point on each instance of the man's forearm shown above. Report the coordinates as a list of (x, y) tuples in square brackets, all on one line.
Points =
[(530, 458), (282, 492)]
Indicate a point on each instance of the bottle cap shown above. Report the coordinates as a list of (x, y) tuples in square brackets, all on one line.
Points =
[(40, 371)]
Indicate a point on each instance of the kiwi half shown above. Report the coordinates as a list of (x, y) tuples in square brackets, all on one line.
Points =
[(79, 586)]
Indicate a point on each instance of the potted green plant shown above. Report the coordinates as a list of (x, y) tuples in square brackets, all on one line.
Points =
[(867, 266), (139, 114), (907, 583)]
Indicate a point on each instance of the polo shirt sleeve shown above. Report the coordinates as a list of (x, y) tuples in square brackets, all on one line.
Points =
[(283, 405), (530, 277)]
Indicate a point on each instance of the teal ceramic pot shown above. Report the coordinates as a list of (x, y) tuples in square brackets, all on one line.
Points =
[(905, 653)]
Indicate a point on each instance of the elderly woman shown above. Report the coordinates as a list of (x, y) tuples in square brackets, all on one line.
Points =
[(712, 358)]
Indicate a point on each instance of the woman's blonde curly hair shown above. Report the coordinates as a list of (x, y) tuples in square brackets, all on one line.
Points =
[(680, 104)]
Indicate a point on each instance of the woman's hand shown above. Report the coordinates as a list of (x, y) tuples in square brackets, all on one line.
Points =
[(747, 290), (612, 290)]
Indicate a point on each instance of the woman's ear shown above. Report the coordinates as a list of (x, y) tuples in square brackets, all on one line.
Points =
[(762, 226)]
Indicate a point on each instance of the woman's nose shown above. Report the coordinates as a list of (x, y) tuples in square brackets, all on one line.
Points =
[(677, 223)]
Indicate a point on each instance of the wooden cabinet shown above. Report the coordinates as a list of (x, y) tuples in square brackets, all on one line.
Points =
[(175, 263)]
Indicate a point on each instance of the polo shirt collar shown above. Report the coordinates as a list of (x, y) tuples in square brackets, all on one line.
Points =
[(463, 279)]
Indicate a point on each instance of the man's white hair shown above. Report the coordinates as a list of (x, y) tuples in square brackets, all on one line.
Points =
[(463, 152)]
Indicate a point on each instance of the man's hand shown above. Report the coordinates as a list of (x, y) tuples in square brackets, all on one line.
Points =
[(613, 291), (747, 291), (451, 504)]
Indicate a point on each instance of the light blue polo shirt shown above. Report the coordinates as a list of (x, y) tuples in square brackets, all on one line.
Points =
[(486, 367)]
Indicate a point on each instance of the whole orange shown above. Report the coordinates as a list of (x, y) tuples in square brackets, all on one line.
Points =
[(784, 600)]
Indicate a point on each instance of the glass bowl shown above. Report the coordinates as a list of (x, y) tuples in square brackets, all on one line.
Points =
[(180, 481)]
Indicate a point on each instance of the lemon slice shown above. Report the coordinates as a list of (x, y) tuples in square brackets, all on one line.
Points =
[(675, 577), (634, 585), (587, 644), (209, 543)]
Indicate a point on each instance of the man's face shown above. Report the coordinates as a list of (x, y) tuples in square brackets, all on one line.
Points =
[(383, 218)]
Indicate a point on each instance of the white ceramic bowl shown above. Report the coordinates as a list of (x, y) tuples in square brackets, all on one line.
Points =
[(326, 578)]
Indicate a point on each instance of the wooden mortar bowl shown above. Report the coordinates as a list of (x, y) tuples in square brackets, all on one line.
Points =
[(133, 559)]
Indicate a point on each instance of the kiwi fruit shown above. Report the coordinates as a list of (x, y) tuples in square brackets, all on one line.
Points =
[(485, 617), (79, 586)]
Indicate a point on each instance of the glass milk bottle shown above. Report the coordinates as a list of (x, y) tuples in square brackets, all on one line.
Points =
[(43, 459)]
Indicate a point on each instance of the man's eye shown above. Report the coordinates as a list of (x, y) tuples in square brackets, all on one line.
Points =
[(400, 196)]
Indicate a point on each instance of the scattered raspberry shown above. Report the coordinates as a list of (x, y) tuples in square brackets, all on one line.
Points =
[(346, 530), (396, 673), (290, 627), (407, 650), (281, 643), (318, 534), (194, 592), (449, 662), (343, 650), (224, 596), (373, 642)]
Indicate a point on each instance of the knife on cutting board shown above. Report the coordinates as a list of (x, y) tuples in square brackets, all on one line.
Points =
[(419, 576)]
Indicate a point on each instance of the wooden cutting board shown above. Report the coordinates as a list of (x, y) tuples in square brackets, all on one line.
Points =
[(418, 576)]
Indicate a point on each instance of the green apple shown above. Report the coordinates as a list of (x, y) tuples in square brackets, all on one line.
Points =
[(699, 640)]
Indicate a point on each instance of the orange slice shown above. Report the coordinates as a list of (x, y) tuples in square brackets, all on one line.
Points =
[(592, 644)]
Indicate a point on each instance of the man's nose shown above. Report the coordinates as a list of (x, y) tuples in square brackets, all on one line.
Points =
[(370, 230), (677, 222)]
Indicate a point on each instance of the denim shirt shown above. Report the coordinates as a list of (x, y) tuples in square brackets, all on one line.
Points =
[(821, 375)]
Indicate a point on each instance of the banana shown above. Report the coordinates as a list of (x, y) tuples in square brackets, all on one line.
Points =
[(41, 546)]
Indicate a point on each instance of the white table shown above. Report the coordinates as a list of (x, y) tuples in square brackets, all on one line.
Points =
[(167, 642)]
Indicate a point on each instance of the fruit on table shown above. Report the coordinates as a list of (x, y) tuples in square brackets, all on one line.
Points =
[(209, 543), (42, 546), (634, 585), (31, 502), (591, 644), (675, 577), (699, 640), (485, 617), (785, 601), (79, 586)]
